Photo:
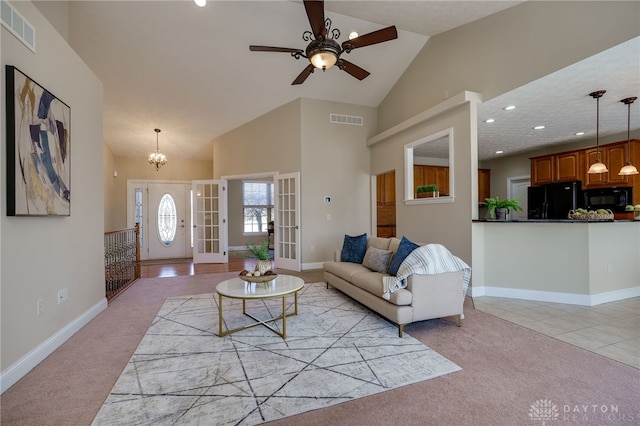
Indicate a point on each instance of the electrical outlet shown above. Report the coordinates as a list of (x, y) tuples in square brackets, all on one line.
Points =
[(60, 296), (40, 307)]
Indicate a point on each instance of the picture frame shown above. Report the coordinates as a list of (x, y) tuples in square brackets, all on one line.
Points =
[(38, 149)]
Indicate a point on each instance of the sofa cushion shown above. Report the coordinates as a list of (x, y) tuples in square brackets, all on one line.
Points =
[(344, 270), (371, 282), (354, 248), (377, 260), (404, 249), (393, 244), (378, 242)]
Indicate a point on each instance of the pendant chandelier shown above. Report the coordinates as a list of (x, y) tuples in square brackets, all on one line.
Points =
[(157, 158), (598, 166), (628, 168)]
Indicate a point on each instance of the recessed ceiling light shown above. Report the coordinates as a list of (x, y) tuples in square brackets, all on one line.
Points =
[(509, 107), (499, 152), (489, 120), (538, 128), (579, 133), (353, 35)]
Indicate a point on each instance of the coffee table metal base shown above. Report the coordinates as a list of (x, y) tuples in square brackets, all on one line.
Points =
[(265, 322)]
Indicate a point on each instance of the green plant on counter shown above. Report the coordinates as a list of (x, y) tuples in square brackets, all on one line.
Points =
[(427, 188), (508, 204)]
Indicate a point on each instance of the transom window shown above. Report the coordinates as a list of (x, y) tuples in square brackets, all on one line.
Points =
[(167, 220), (257, 204)]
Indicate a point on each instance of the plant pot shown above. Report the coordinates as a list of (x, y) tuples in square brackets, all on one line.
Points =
[(428, 194), (263, 266), (501, 214)]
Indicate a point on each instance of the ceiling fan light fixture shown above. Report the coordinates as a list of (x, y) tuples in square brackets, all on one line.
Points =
[(323, 54), (200, 3), (323, 60)]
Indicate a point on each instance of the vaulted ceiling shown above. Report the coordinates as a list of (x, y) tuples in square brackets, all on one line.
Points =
[(188, 70)]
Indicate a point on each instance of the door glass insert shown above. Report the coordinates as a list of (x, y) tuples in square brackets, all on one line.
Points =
[(139, 205), (167, 219)]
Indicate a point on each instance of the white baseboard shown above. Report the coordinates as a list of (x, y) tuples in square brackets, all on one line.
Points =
[(20, 368), (550, 296), (316, 265)]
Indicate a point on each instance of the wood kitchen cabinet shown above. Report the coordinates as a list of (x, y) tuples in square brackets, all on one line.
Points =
[(386, 204), (425, 175), (562, 167), (567, 166), (484, 185), (541, 170)]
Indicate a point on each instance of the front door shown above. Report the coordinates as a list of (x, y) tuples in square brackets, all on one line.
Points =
[(167, 221), (163, 211)]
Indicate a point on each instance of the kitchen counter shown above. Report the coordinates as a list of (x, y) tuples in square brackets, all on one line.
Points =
[(563, 261)]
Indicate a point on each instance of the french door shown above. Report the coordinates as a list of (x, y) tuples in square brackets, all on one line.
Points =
[(287, 223), (210, 221)]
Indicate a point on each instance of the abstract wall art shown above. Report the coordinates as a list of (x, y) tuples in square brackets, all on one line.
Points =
[(38, 149)]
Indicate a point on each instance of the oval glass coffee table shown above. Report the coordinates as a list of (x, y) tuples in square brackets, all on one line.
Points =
[(281, 286)]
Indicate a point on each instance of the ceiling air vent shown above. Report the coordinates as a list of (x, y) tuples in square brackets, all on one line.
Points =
[(17, 25), (346, 119)]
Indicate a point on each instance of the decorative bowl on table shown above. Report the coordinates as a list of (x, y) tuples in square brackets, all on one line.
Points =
[(262, 278)]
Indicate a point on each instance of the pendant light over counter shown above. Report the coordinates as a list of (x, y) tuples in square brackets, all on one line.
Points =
[(628, 168), (598, 166)]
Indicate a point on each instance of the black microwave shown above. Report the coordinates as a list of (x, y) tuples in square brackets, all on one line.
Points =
[(614, 199)]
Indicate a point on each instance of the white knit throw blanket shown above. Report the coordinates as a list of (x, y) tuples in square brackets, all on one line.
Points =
[(426, 260)]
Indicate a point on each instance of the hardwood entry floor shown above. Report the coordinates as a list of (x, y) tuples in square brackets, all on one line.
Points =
[(236, 263)]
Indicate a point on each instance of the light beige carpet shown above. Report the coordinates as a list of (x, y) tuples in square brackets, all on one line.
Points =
[(336, 351)]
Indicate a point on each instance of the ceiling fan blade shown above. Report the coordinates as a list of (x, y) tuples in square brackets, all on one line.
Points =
[(315, 13), (375, 37), (353, 69), (303, 75), (274, 49)]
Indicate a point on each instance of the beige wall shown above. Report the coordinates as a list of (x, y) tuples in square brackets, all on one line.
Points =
[(507, 50), (269, 143), (110, 190), (448, 224), (41, 255), (335, 163), (137, 168)]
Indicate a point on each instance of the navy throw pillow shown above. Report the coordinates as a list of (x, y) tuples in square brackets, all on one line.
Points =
[(404, 249), (354, 248)]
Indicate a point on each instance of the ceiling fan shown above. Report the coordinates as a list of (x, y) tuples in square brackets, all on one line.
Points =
[(323, 51)]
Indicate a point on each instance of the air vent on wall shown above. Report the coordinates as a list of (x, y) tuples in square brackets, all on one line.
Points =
[(13, 21), (346, 119)]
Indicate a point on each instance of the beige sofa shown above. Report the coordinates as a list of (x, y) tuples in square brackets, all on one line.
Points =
[(425, 296)]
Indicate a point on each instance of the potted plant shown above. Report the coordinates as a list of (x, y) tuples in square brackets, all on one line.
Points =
[(260, 252), (427, 191), (499, 208)]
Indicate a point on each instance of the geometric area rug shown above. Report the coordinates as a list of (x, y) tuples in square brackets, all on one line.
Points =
[(336, 350)]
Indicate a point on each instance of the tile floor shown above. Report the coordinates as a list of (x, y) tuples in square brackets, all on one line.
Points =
[(611, 329)]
